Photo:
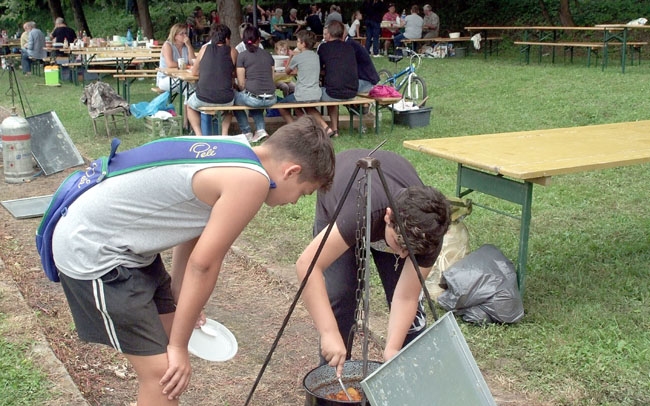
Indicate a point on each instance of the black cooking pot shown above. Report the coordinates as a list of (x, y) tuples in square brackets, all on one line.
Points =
[(322, 381)]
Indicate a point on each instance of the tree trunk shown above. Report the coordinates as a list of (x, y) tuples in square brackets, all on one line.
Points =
[(80, 17), (545, 13), (565, 14), (55, 8), (230, 15), (143, 17)]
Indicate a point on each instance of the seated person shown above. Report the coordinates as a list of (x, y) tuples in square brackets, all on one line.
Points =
[(62, 32), (198, 24), (215, 66), (277, 31), (34, 48), (412, 28), (314, 22), (305, 64), (389, 32), (177, 45), (339, 67), (283, 81), (255, 67)]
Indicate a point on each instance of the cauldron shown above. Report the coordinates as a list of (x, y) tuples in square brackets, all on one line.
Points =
[(322, 381)]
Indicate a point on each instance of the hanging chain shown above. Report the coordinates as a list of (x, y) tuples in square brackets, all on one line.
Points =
[(360, 248)]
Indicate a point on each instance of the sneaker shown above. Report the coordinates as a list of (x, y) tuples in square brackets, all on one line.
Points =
[(259, 135), (377, 55), (249, 136)]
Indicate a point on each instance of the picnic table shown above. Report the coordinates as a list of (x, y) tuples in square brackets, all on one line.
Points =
[(549, 36), (507, 165), (185, 79), (619, 32)]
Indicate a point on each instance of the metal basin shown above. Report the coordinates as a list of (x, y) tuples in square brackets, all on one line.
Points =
[(322, 381)]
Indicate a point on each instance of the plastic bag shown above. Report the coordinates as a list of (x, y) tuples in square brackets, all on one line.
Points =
[(380, 91), (482, 288), (144, 109)]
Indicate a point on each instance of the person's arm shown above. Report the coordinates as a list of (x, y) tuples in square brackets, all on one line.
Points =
[(403, 308), (196, 67), (222, 188), (287, 68), (168, 55), (190, 50), (241, 78), (315, 295)]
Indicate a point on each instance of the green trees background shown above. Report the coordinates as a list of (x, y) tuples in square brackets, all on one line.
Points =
[(102, 18)]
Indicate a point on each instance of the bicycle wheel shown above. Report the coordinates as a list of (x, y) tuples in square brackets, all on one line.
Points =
[(416, 90), (384, 75)]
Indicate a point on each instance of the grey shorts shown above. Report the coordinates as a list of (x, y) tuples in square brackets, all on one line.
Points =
[(122, 308)]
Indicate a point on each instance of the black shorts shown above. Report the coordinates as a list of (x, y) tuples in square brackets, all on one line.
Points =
[(122, 308)]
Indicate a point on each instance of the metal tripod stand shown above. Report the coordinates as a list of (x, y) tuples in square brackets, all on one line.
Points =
[(367, 164), (15, 88)]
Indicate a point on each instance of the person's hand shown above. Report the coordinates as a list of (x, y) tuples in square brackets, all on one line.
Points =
[(187, 41), (201, 320), (390, 353), (334, 351), (179, 371)]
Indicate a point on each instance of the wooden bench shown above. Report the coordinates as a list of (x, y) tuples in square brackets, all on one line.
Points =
[(128, 77), (461, 40), (359, 100), (570, 45)]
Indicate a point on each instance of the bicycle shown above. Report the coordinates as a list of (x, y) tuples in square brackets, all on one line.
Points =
[(411, 86)]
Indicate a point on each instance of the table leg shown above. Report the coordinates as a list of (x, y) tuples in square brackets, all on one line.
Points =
[(470, 180)]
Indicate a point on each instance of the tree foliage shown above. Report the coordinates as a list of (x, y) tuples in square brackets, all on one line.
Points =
[(454, 14)]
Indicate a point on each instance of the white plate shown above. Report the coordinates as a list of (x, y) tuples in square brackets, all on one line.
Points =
[(213, 343)]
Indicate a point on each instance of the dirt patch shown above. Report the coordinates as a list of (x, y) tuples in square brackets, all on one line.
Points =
[(250, 299)]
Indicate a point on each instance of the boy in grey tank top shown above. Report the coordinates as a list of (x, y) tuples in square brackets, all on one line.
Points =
[(107, 247)]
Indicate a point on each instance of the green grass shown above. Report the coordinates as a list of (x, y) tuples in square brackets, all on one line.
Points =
[(21, 383), (585, 339)]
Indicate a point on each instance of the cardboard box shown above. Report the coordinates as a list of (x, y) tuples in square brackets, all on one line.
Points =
[(171, 127), (414, 118), (52, 75)]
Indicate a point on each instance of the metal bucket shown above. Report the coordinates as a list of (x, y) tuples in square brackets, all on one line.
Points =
[(16, 149), (322, 381)]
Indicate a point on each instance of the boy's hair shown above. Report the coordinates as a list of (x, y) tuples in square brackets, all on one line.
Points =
[(425, 213), (220, 33), (281, 44), (415, 9), (308, 38), (250, 37), (305, 143), (336, 28)]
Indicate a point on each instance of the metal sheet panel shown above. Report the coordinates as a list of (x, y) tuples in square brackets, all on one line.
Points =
[(28, 207), (435, 369), (51, 145)]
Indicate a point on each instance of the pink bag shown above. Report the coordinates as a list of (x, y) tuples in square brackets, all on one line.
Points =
[(383, 91)]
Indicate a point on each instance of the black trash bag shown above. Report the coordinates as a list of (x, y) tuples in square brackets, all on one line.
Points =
[(482, 288)]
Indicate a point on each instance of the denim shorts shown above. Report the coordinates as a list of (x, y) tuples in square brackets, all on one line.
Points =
[(195, 103)]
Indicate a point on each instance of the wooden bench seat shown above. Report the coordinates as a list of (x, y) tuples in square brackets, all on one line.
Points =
[(635, 46), (359, 100)]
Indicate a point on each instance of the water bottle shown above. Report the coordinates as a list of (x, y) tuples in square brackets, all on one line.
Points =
[(139, 36), (129, 37), (403, 15)]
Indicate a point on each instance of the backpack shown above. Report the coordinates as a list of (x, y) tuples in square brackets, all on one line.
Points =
[(166, 151)]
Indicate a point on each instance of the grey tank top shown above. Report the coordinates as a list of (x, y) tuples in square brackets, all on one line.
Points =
[(128, 219)]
